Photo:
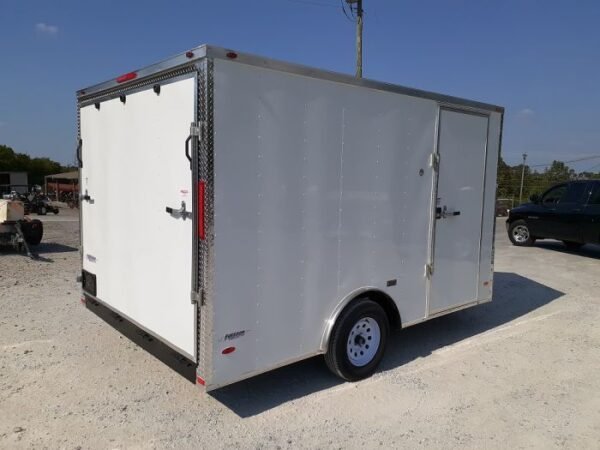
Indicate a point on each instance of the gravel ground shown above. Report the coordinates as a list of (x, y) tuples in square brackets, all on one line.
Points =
[(520, 372)]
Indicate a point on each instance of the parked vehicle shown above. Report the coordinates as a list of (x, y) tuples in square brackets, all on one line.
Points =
[(16, 230), (569, 212), (503, 206), (287, 211), (39, 204)]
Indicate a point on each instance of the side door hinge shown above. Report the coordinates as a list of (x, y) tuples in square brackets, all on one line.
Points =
[(434, 161), (428, 270)]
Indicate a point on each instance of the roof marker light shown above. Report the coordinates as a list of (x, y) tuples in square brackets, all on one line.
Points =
[(231, 55), (127, 77), (228, 350), (189, 54)]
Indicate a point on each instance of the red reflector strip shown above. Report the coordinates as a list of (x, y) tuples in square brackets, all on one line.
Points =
[(200, 381), (201, 192), (127, 77), (228, 350)]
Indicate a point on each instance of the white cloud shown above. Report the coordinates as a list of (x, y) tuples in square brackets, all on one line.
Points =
[(44, 28), (526, 112)]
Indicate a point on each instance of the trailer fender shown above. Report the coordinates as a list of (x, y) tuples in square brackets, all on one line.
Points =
[(373, 293)]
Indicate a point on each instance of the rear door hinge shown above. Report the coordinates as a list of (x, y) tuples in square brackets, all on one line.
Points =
[(194, 129), (197, 298)]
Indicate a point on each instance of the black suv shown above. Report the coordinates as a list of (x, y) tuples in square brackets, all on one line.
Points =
[(569, 212)]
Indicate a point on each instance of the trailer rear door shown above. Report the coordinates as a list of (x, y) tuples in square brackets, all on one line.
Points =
[(134, 167), (462, 148)]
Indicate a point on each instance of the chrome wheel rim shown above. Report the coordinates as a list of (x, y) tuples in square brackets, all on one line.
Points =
[(363, 341), (520, 233)]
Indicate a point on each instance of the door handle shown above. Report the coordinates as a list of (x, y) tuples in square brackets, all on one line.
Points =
[(86, 198), (181, 212), (78, 153), (187, 149)]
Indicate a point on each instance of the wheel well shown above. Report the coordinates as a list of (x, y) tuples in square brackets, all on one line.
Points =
[(386, 302), (379, 297)]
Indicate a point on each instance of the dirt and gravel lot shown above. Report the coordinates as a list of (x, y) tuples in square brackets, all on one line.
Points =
[(520, 372)]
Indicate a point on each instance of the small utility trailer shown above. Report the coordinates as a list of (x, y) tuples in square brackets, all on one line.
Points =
[(17, 230), (281, 212)]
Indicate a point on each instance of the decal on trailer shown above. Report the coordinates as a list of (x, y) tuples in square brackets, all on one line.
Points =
[(234, 335)]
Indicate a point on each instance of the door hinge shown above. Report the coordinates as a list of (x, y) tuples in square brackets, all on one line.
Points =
[(434, 161), (428, 270), (197, 297), (194, 130)]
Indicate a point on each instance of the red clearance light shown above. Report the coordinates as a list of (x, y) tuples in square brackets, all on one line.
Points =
[(189, 54), (228, 350), (200, 381), (201, 194), (231, 55), (127, 77)]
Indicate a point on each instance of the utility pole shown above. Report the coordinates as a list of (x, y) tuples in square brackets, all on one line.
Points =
[(522, 178), (359, 32)]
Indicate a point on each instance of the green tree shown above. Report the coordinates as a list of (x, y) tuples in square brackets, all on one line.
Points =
[(36, 168)]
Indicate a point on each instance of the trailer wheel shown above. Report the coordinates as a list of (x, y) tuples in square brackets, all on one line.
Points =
[(33, 231), (519, 234), (358, 340)]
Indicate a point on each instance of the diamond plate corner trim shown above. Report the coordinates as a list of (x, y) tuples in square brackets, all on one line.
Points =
[(206, 246)]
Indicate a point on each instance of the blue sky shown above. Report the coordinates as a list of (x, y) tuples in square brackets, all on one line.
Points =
[(539, 59)]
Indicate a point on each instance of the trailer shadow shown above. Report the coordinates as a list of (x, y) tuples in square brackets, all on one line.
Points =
[(587, 251), (514, 296), (53, 247)]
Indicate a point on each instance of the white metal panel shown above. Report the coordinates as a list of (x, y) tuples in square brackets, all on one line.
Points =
[(462, 147), (318, 192), (133, 167)]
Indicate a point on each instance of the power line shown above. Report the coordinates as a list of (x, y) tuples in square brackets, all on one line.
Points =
[(315, 3), (343, 3), (589, 169), (566, 162)]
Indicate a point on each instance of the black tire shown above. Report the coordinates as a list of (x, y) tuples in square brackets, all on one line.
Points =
[(358, 313), (55, 211), (519, 234), (33, 231), (572, 245)]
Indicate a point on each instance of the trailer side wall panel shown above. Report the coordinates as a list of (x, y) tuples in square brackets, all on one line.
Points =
[(321, 189)]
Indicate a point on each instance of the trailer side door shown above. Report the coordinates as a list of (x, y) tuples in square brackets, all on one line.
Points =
[(462, 149)]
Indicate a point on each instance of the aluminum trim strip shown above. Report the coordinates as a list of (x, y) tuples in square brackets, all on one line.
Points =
[(206, 245), (245, 58), (287, 362)]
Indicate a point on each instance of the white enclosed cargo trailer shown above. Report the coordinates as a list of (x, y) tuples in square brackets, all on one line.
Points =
[(239, 213)]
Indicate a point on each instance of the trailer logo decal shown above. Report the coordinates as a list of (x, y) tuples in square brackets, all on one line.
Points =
[(234, 335)]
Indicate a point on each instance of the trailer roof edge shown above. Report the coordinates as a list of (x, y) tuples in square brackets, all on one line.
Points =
[(202, 51)]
